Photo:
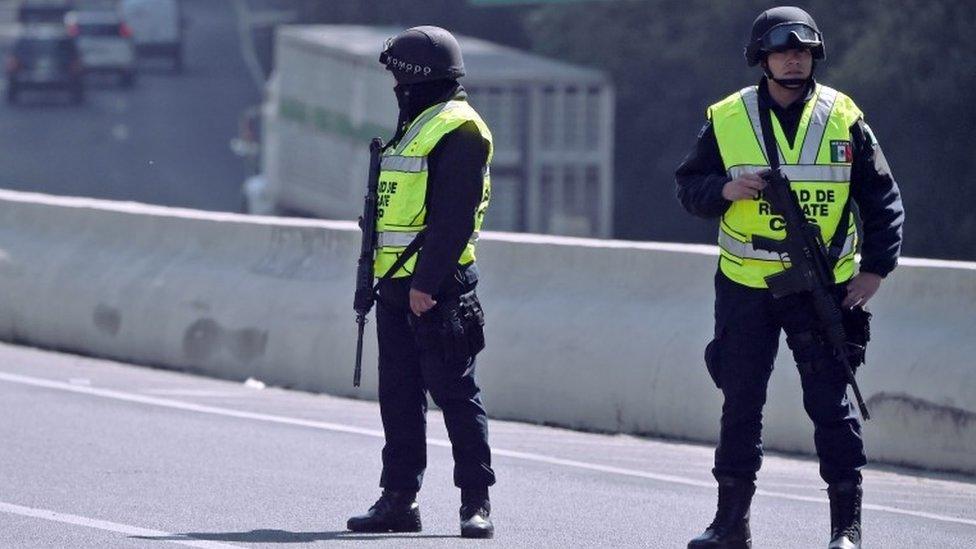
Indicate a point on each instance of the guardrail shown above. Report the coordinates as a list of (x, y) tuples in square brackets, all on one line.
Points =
[(599, 335)]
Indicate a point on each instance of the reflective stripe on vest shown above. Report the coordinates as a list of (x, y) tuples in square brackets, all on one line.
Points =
[(818, 126), (398, 239), (801, 172), (402, 211), (745, 250), (409, 164), (815, 130), (817, 163)]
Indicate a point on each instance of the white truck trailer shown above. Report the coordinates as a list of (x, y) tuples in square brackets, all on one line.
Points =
[(328, 95), (157, 27)]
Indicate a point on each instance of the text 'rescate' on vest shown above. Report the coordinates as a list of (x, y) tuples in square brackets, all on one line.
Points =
[(817, 163)]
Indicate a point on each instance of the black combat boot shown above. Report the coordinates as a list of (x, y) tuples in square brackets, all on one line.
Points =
[(475, 511), (393, 512), (845, 515), (730, 529)]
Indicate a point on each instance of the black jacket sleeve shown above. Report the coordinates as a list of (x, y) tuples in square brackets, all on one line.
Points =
[(454, 189), (700, 178), (878, 200)]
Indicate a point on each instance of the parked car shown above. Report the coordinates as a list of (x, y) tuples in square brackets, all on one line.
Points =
[(105, 42), (157, 28), (44, 58), (31, 12)]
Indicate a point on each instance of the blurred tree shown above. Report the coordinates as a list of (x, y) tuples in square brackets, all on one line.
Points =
[(668, 60), (908, 64), (498, 24), (913, 71)]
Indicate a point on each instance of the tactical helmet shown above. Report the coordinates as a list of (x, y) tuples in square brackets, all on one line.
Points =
[(783, 28), (422, 54)]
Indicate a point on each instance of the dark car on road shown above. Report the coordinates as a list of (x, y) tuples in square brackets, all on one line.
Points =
[(45, 58), (32, 12)]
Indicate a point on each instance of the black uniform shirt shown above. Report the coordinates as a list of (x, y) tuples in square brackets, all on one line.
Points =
[(701, 177)]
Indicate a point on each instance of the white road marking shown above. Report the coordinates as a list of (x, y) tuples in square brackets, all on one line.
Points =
[(196, 393), (525, 456), (64, 518), (120, 132)]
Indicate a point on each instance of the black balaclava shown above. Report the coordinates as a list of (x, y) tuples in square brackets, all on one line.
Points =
[(415, 98)]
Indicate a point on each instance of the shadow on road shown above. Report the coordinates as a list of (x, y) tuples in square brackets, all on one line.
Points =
[(161, 67), (44, 100), (284, 536)]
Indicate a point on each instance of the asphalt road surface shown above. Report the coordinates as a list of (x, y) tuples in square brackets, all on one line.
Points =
[(166, 141), (102, 454)]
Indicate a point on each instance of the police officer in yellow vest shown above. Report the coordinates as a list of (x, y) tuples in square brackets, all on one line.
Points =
[(833, 160), (433, 190)]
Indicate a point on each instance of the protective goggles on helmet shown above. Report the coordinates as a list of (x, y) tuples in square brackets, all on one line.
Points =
[(385, 54), (787, 36)]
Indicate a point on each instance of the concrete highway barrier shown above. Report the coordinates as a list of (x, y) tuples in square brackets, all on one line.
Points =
[(589, 334)]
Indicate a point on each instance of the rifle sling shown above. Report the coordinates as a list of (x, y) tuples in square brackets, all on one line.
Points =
[(836, 245), (415, 244), (405, 255)]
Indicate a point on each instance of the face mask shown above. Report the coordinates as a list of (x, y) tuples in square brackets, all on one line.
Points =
[(403, 96)]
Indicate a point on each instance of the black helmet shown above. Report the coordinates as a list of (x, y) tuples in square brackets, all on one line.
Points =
[(422, 54), (783, 28)]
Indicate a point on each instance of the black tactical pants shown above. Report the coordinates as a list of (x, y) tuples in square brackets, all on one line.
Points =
[(740, 359), (409, 367)]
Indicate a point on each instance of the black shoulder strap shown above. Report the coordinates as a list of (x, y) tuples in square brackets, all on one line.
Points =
[(836, 245), (840, 234), (405, 255), (769, 138)]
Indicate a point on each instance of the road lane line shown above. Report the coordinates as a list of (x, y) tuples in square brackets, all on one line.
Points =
[(246, 37), (64, 518), (525, 456), (203, 393)]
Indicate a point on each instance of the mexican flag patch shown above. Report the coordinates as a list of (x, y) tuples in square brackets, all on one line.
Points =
[(840, 151)]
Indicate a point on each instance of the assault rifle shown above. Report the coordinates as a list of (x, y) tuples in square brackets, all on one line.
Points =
[(810, 271), (365, 291)]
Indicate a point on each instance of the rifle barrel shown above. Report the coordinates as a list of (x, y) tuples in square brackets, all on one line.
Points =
[(364, 298), (808, 253), (852, 381), (357, 373)]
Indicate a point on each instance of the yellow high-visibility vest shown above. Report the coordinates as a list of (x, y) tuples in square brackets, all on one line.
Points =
[(402, 209), (818, 166)]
